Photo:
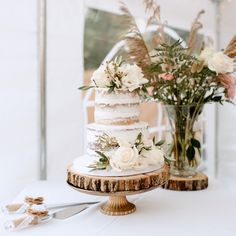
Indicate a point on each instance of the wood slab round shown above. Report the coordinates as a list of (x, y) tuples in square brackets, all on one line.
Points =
[(103, 185), (197, 182)]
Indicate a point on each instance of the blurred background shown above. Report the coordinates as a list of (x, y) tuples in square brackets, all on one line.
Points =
[(48, 48)]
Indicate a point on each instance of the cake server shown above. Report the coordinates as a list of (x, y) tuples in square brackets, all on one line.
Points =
[(19, 208), (34, 219)]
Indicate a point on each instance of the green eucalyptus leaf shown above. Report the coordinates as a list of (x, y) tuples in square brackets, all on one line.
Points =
[(195, 143), (139, 138), (168, 160), (111, 89), (217, 98), (85, 87), (190, 153), (102, 155), (161, 142)]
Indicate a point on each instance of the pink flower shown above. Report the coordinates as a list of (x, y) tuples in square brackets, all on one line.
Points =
[(227, 80), (166, 76), (229, 83), (231, 92)]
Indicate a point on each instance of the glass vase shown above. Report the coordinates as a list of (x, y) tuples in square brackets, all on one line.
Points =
[(184, 143)]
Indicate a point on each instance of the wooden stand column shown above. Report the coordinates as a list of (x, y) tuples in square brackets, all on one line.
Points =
[(117, 205), (197, 182)]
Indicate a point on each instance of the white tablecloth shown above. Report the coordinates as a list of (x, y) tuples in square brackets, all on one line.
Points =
[(210, 212)]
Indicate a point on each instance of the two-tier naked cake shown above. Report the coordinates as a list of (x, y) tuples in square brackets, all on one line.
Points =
[(118, 143)]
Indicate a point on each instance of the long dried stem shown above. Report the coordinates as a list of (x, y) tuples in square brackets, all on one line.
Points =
[(154, 10), (196, 26), (137, 47)]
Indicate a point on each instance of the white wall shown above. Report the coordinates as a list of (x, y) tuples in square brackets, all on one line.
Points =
[(19, 96), (227, 113), (19, 91), (65, 73)]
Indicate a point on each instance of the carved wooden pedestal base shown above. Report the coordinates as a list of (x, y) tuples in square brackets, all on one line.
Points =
[(117, 205), (197, 182), (117, 187)]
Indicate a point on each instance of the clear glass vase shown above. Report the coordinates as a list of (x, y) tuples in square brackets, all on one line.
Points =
[(185, 139)]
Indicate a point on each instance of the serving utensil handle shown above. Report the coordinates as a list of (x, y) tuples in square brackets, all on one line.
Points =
[(24, 222)]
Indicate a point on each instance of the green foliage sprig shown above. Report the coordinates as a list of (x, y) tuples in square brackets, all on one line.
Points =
[(192, 80)]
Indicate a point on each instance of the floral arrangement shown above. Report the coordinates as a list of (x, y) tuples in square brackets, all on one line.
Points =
[(181, 77), (137, 155), (118, 75)]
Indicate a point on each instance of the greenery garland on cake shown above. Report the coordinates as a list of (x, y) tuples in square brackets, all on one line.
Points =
[(127, 156)]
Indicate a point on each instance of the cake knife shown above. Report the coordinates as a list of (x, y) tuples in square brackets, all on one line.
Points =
[(30, 220), (19, 208)]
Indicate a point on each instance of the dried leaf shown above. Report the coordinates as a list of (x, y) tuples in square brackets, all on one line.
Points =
[(231, 48), (193, 32), (154, 10), (135, 43)]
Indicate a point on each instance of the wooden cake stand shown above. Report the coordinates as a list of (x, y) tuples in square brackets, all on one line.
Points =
[(117, 188)]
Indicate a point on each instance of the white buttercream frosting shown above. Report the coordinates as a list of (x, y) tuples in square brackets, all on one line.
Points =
[(128, 133), (116, 97), (116, 112), (119, 106)]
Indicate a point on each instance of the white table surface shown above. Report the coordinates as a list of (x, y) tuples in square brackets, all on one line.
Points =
[(210, 212)]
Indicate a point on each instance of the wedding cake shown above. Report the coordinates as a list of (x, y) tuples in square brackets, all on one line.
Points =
[(118, 142)]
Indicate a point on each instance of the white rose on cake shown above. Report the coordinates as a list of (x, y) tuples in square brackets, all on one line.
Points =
[(133, 77), (124, 158), (154, 156), (221, 63), (100, 77), (141, 163)]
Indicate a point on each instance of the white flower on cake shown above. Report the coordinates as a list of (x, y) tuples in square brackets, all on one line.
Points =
[(100, 78), (116, 75), (141, 163), (135, 155), (221, 63), (133, 77), (124, 158), (154, 156), (206, 54)]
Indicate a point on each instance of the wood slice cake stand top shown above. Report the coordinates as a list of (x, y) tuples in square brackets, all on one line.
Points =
[(117, 187)]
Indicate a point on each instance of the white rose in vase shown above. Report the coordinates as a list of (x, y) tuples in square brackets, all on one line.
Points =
[(100, 77), (221, 63), (124, 158), (133, 77), (206, 54), (154, 156)]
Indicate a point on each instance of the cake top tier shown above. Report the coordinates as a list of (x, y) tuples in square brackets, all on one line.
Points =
[(119, 96), (118, 86)]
